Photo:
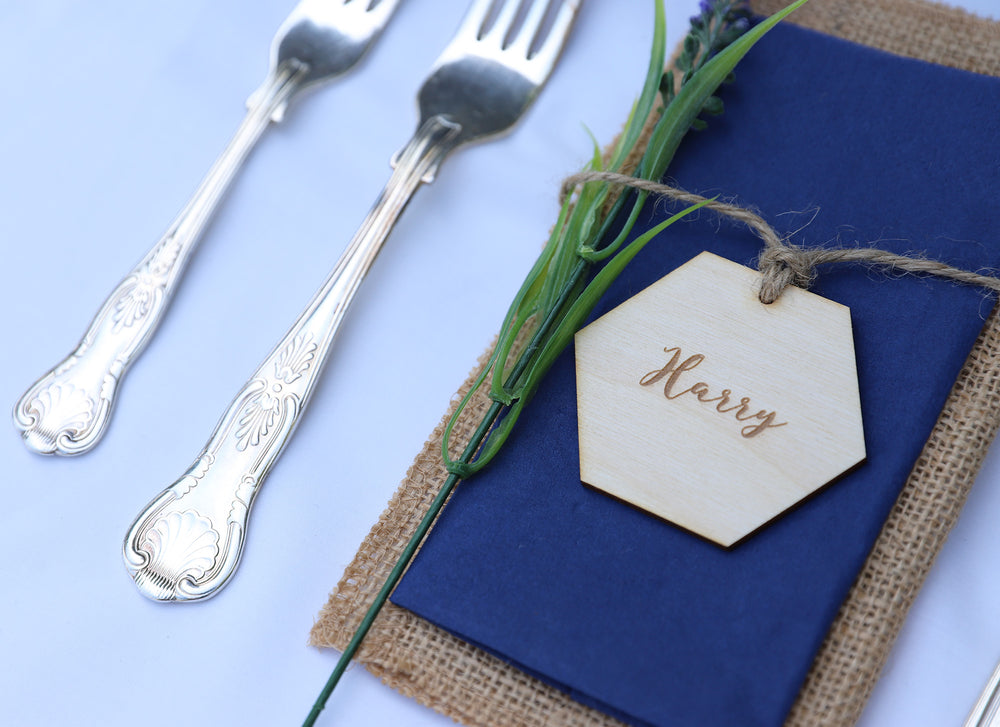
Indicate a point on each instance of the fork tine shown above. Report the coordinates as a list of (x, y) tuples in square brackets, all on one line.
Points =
[(504, 20), (530, 27), (475, 18), (551, 46)]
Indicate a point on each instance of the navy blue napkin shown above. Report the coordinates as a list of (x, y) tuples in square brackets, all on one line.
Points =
[(647, 622)]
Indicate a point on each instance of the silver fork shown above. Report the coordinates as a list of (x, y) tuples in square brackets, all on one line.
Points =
[(187, 542), (68, 409), (986, 711)]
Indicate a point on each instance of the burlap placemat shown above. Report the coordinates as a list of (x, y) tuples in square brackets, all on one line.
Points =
[(463, 682)]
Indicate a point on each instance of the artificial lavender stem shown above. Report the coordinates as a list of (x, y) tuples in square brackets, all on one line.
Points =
[(691, 103)]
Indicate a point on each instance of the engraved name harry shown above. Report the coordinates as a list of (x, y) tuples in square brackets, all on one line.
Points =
[(742, 411)]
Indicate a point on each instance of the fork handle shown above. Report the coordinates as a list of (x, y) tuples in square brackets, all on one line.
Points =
[(67, 410), (187, 542), (986, 711)]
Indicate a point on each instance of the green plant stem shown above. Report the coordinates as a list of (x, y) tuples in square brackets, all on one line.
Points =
[(478, 436), (388, 586)]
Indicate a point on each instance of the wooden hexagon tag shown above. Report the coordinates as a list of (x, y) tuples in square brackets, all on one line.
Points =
[(702, 405)]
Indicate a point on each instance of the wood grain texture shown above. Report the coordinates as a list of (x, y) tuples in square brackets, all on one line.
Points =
[(707, 408)]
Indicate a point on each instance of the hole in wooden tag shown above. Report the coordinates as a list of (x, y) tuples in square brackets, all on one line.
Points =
[(703, 406)]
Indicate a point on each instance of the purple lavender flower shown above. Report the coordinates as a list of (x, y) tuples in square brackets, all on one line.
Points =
[(705, 12)]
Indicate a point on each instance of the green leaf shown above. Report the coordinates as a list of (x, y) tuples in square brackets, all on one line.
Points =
[(647, 98)]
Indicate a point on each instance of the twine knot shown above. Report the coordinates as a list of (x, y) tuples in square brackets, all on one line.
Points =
[(783, 265)]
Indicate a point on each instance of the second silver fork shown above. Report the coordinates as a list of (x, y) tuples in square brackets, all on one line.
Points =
[(187, 542), (68, 409)]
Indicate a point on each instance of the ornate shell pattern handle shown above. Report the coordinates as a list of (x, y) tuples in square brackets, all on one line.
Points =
[(67, 410), (187, 542)]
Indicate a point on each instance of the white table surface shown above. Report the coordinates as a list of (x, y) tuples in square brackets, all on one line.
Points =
[(112, 112)]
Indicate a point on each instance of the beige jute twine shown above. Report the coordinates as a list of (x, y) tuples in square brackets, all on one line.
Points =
[(465, 683), (781, 263)]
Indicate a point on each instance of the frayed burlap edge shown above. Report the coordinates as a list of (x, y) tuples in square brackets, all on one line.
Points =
[(472, 687)]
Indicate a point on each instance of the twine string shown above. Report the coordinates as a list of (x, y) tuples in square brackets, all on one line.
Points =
[(781, 263)]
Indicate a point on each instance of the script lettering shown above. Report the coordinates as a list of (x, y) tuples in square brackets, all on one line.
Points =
[(743, 411)]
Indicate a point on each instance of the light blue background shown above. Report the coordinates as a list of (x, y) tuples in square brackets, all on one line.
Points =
[(112, 111)]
